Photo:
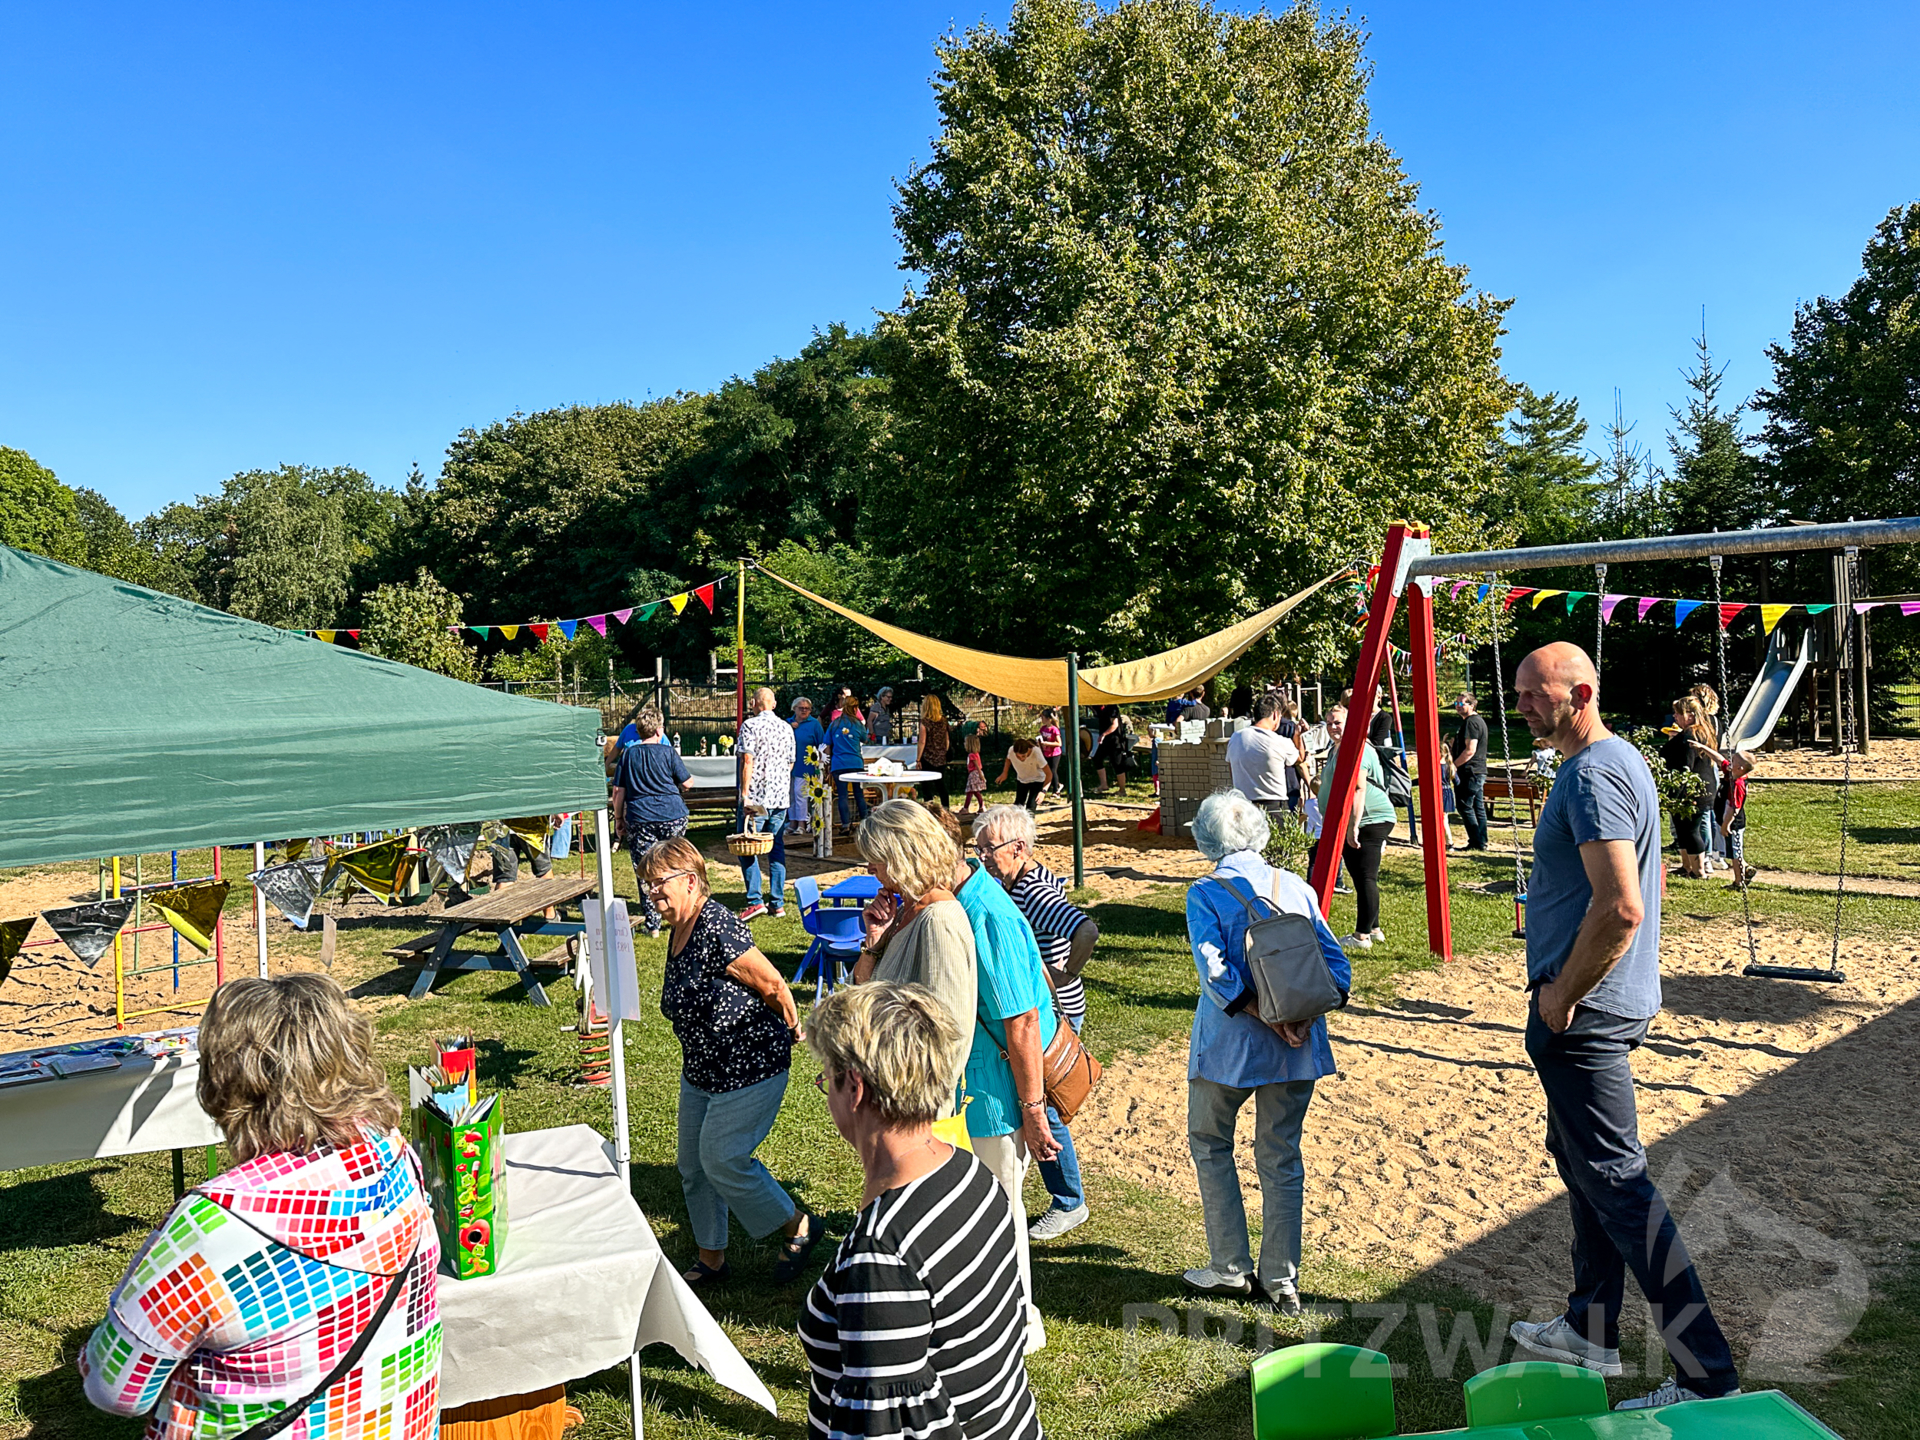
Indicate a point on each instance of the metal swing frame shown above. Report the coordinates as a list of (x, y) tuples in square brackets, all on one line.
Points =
[(1409, 568)]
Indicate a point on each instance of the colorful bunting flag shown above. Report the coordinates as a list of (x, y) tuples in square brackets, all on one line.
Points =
[(1480, 597), (13, 934), (1647, 602), (539, 632), (377, 868), (1860, 607), (1910, 607), (192, 910), (627, 614), (1607, 605), (1729, 610), (1574, 597), (450, 850), (1818, 609), (1684, 608), (88, 930), (291, 888), (509, 630), (326, 635), (567, 627), (1770, 616), (705, 594), (1515, 593), (480, 630), (354, 633), (679, 602), (647, 613), (599, 623), (1458, 586), (1540, 595)]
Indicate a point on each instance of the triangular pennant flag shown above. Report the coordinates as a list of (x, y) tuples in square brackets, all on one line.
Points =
[(453, 630), (567, 627), (647, 613), (480, 630), (1481, 594), (678, 602), (1728, 611), (193, 909), (1515, 593), (627, 614), (291, 888), (1910, 607), (1647, 602), (1682, 609), (509, 631), (1458, 586), (1770, 616), (13, 934), (1818, 609), (1574, 597), (296, 848), (599, 623), (1540, 595), (377, 868), (1860, 607), (354, 633), (539, 632), (326, 635), (450, 849), (1608, 603), (705, 595), (88, 930)]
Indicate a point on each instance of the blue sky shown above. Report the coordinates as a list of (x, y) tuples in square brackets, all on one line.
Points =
[(247, 235)]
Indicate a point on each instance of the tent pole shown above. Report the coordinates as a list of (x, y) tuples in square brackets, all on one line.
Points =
[(739, 693), (616, 1049), (1073, 773), (260, 908)]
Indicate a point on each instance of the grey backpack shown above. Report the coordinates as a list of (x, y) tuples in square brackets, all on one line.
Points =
[(1290, 976)]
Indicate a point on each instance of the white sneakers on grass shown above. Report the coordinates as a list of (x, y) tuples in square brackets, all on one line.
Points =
[(1555, 1339), (1057, 1222)]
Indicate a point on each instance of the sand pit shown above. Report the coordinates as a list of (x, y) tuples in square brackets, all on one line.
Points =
[(1778, 1116), (1893, 759)]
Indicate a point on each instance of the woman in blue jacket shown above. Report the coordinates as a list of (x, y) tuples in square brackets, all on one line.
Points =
[(846, 733), (1234, 1054)]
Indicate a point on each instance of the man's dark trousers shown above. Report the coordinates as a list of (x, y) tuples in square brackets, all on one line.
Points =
[(1470, 799), (1620, 1219)]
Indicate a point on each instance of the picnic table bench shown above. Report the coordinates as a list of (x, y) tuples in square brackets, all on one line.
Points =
[(507, 913)]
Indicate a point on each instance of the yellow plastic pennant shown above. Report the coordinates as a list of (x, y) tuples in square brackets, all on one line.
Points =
[(678, 602), (193, 910), (377, 868), (1770, 615), (326, 635), (1540, 595), (508, 630)]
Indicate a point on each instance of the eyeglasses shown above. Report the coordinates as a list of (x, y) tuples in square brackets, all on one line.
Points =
[(661, 883), (820, 1082), (981, 848)]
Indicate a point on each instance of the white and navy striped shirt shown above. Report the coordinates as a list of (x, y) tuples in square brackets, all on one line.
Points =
[(918, 1327), (1041, 896)]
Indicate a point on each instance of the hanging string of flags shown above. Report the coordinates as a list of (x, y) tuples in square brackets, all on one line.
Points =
[(540, 629), (1770, 614)]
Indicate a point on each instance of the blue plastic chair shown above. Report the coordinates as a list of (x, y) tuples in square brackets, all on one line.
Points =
[(837, 932)]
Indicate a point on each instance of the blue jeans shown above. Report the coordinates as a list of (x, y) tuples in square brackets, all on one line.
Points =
[(718, 1171), (1279, 1113), (849, 789), (1620, 1219), (1470, 800), (776, 821), (1062, 1173)]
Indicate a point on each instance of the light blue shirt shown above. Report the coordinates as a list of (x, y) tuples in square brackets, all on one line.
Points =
[(1237, 1049), (1010, 982)]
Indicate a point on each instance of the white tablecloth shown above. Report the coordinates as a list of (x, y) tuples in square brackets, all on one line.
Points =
[(710, 772), (582, 1286), (144, 1105)]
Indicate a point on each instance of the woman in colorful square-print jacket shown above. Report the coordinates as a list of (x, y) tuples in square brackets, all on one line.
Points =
[(259, 1282)]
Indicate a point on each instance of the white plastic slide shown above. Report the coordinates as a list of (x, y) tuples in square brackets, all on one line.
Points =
[(1767, 700)]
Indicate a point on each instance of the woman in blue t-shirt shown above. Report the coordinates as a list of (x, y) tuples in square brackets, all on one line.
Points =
[(648, 784), (845, 735)]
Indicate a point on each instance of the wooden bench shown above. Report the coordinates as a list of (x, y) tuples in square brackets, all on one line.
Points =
[(507, 913)]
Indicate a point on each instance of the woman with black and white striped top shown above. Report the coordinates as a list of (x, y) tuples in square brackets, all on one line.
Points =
[(1003, 838), (918, 1326)]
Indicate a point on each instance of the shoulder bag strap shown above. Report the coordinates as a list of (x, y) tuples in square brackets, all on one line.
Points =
[(281, 1419)]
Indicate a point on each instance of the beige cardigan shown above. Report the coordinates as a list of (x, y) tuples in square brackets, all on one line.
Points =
[(935, 949)]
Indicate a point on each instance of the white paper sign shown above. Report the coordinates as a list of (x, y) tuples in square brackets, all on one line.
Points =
[(616, 994)]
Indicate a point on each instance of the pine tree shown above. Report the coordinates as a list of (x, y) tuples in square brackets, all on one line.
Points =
[(1716, 484), (1628, 504), (1549, 497)]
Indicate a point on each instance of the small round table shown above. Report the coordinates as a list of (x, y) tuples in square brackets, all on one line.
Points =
[(893, 782)]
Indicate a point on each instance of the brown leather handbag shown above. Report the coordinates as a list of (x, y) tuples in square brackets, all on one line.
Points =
[(1068, 1070)]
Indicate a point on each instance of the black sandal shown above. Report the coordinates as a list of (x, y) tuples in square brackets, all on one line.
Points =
[(796, 1249), (702, 1276)]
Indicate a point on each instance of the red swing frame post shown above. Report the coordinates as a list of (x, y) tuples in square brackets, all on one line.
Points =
[(1405, 544)]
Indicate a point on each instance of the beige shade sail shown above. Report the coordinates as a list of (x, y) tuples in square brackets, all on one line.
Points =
[(1044, 682)]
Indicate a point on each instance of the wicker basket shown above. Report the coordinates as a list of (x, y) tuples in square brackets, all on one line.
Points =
[(753, 842)]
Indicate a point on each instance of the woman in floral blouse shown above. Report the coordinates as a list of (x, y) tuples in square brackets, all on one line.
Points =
[(736, 1023)]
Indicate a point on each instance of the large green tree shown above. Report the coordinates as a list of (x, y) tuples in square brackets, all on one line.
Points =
[(1549, 497), (418, 623), (37, 512), (1716, 483), (1184, 341)]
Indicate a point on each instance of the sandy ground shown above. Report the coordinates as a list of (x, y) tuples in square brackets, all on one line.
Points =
[(1888, 760), (1777, 1119)]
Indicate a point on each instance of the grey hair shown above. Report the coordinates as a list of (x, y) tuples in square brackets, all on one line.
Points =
[(1008, 822), (1228, 822)]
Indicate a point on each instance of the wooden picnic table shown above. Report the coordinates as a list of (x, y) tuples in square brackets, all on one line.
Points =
[(507, 913)]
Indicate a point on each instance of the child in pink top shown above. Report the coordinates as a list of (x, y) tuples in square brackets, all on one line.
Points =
[(1049, 738), (976, 778)]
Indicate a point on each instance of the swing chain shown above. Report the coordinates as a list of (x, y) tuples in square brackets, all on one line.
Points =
[(1506, 746), (1600, 620), (1720, 623), (1847, 731)]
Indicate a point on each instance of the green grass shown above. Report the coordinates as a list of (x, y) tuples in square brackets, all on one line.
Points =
[(1109, 1293), (1797, 827)]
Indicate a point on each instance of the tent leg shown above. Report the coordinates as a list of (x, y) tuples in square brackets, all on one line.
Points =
[(616, 1041), (1366, 687), (1426, 748), (260, 908), (1073, 773), (633, 1390)]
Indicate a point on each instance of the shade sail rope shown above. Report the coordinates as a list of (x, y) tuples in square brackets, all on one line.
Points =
[(1044, 682)]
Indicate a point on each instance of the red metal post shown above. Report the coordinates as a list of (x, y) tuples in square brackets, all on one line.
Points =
[(1366, 687), (1426, 740)]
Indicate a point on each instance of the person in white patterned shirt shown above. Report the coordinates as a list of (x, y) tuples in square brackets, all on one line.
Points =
[(766, 786), (1004, 839)]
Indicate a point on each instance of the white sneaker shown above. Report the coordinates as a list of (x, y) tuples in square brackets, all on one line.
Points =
[(1671, 1392), (1212, 1282), (1057, 1222), (1377, 935), (1356, 942), (1557, 1340)]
